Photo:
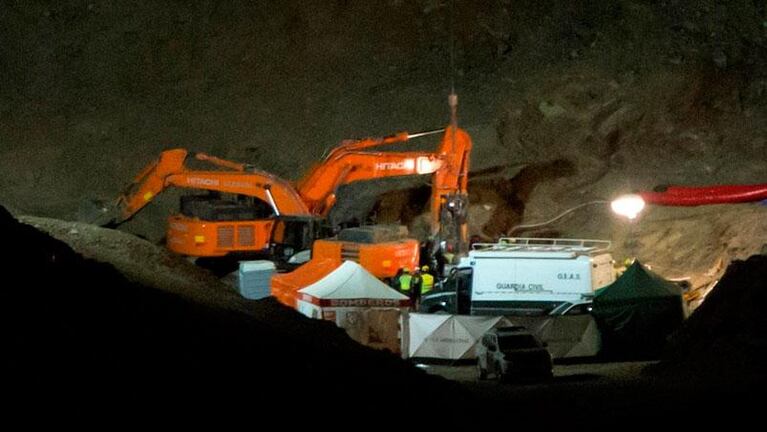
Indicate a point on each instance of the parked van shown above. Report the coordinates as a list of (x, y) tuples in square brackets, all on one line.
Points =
[(523, 276)]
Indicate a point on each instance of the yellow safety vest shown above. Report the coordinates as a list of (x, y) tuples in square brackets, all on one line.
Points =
[(404, 283), (427, 284)]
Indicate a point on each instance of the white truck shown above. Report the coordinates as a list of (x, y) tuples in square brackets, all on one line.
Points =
[(523, 276)]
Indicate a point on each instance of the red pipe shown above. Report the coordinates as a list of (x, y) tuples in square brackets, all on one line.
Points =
[(695, 196)]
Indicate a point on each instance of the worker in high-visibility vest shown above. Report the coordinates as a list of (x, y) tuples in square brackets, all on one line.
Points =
[(404, 281), (394, 281), (416, 284), (428, 280)]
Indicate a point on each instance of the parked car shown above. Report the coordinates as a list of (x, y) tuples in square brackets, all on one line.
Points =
[(513, 354), (572, 308)]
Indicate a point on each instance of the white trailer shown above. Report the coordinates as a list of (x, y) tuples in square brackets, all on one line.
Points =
[(523, 276)]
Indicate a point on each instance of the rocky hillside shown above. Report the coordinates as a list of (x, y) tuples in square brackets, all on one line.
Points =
[(572, 101)]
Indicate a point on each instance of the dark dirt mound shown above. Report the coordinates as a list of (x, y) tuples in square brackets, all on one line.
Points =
[(79, 335), (725, 339), (73, 325)]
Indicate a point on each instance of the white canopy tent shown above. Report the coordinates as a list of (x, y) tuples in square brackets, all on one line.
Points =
[(450, 337), (368, 309)]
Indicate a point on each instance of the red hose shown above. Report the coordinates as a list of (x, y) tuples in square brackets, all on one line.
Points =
[(695, 196)]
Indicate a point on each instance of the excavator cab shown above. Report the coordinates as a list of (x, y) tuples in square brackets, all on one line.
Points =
[(217, 206), (293, 234)]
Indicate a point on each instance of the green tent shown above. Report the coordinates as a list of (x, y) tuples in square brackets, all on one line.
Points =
[(636, 314)]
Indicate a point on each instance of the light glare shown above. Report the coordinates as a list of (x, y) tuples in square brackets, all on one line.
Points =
[(628, 205)]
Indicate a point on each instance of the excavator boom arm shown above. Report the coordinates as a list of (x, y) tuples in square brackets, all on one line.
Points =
[(149, 182), (170, 170), (450, 184), (266, 187), (348, 163), (318, 190), (234, 166)]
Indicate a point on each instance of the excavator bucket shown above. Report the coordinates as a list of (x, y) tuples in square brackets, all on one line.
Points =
[(98, 212)]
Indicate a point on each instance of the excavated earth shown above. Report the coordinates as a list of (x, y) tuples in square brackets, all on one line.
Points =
[(77, 325), (568, 103), (724, 339), (84, 327)]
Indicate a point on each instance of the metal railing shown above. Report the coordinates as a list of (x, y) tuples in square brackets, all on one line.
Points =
[(536, 244)]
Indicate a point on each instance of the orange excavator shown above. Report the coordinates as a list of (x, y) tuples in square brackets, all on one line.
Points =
[(236, 215), (448, 166), (249, 212), (352, 162)]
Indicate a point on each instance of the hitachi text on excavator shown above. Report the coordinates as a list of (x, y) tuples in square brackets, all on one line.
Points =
[(245, 211)]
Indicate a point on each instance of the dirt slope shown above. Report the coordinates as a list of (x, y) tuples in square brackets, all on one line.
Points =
[(91, 343), (74, 324), (723, 340)]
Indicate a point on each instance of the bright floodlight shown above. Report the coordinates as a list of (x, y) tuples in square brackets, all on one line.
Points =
[(628, 205)]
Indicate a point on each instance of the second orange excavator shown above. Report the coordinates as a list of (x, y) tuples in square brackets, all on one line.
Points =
[(246, 212)]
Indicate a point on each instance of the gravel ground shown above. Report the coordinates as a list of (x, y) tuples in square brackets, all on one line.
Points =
[(618, 371), (596, 395)]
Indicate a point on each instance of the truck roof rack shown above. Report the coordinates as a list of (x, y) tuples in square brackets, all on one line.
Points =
[(534, 244)]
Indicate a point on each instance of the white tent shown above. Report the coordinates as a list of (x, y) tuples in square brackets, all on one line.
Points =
[(567, 336), (368, 309), (451, 337), (570, 336)]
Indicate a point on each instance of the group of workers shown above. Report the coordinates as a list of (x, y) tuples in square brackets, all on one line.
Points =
[(413, 283)]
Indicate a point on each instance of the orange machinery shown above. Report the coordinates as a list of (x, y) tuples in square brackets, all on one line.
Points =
[(448, 165), (449, 168), (380, 259), (248, 211), (235, 216)]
